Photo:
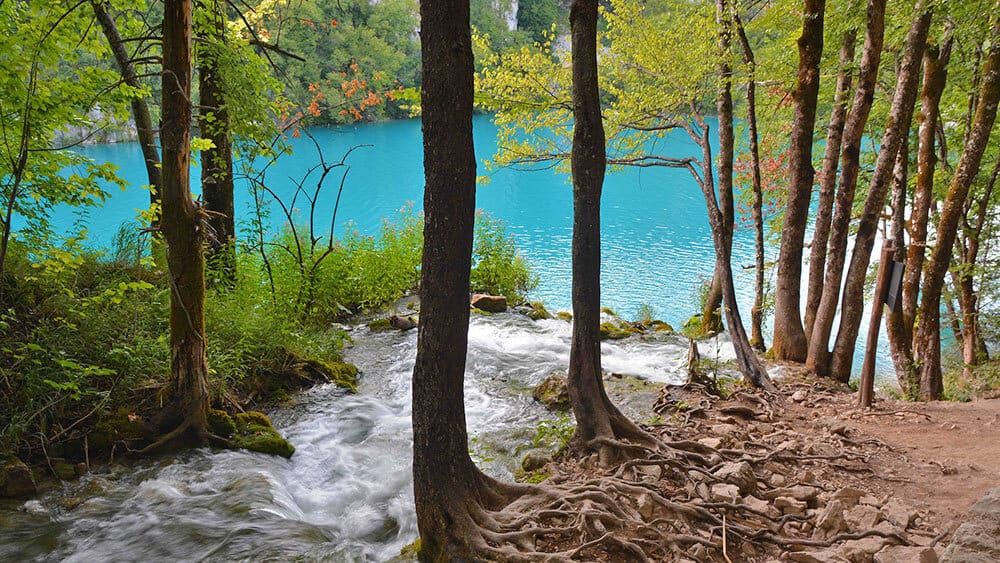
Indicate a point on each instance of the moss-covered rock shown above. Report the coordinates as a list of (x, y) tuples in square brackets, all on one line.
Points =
[(553, 393), (564, 316), (476, 311), (411, 551), (612, 331), (609, 311), (220, 423), (64, 470), (660, 326), (16, 479), (489, 303), (118, 426), (538, 311), (254, 432)]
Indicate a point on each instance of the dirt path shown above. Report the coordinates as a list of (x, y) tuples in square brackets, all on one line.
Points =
[(949, 453)]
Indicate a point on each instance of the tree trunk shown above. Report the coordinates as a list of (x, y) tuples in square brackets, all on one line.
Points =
[(757, 313), (711, 318), (928, 339), (897, 127), (901, 341), (446, 483), (140, 109), (182, 227), (973, 345), (217, 162), (722, 215), (597, 419), (828, 179), (789, 336), (818, 359), (898, 343)]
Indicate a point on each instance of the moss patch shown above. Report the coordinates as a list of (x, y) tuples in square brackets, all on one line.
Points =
[(609, 311), (118, 426), (564, 316), (612, 331), (254, 432), (660, 326), (538, 311), (380, 325), (220, 423)]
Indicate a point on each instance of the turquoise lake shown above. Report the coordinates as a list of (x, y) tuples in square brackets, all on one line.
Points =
[(656, 244)]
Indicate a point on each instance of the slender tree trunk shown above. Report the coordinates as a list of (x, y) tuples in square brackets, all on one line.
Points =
[(901, 341), (898, 343), (721, 214), (828, 179), (928, 339), (973, 345), (900, 116), (182, 227), (216, 162), (789, 336), (711, 318), (818, 359), (446, 483), (140, 109), (597, 419), (757, 313)]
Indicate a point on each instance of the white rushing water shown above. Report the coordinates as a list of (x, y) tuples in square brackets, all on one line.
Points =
[(346, 494)]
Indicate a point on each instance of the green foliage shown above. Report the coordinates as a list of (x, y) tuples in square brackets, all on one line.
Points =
[(644, 314), (497, 268), (554, 433)]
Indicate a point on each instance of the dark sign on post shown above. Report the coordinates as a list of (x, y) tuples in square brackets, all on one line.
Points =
[(895, 285)]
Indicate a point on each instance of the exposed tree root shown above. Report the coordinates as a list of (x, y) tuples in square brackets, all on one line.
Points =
[(666, 499)]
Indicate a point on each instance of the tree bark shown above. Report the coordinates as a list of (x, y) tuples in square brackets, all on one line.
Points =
[(789, 336), (935, 77), (216, 162), (446, 483), (721, 214), (818, 359), (900, 116), (140, 109), (757, 312), (894, 320), (828, 179), (182, 227), (711, 318), (928, 339), (597, 419)]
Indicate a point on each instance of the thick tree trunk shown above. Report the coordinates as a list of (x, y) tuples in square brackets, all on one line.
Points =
[(182, 227), (722, 215), (828, 179), (140, 109), (216, 162), (598, 421), (446, 483), (757, 313), (897, 127), (789, 336), (928, 339), (818, 359)]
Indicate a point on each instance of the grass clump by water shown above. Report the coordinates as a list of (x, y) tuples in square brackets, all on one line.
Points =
[(84, 335)]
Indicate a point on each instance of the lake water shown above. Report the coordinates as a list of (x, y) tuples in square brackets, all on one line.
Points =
[(657, 246)]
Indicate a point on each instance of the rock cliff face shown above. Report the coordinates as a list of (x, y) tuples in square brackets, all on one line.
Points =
[(101, 129), (978, 539)]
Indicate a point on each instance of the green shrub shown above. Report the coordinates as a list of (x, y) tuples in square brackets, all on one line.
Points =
[(497, 268)]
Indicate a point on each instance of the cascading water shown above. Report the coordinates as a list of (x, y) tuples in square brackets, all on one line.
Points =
[(346, 494)]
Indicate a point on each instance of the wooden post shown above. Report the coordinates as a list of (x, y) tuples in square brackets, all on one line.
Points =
[(866, 387)]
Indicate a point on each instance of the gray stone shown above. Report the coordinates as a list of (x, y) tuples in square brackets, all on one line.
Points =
[(798, 492), (831, 520), (849, 496), (861, 551), (906, 554), (714, 443), (898, 513), (789, 505), (828, 555), (533, 461), (724, 492), (862, 518), (489, 303), (740, 474), (800, 396)]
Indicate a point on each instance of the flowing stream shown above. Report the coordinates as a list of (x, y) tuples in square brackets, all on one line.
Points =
[(346, 494)]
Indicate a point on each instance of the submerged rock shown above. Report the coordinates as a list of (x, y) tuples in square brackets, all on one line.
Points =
[(489, 303)]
